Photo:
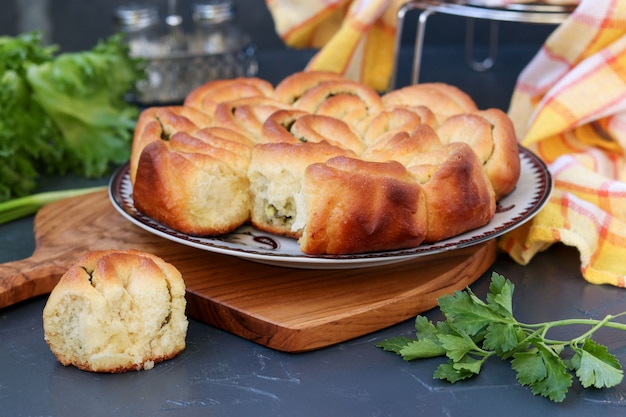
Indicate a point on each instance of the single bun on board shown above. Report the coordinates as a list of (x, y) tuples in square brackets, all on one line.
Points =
[(116, 311)]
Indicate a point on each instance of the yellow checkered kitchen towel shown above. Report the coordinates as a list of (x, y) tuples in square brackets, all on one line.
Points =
[(355, 37), (569, 107)]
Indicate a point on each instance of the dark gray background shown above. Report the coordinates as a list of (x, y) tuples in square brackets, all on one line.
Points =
[(78, 24)]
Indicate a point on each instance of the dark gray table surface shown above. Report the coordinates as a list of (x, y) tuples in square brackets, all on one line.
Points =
[(220, 374)]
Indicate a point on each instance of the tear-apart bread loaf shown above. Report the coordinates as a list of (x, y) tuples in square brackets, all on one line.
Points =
[(325, 160), (116, 311)]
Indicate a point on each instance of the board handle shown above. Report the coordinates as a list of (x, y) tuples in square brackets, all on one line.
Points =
[(27, 278)]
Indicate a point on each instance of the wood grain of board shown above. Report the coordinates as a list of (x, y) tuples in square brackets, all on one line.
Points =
[(287, 309)]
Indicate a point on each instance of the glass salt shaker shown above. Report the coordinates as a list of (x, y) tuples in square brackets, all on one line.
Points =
[(227, 50), (142, 29)]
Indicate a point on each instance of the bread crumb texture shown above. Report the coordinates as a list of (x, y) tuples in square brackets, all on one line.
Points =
[(116, 311)]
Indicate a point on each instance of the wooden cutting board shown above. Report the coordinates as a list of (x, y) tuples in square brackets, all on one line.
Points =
[(287, 309)]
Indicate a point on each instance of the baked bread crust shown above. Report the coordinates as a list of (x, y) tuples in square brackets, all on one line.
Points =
[(293, 126), (397, 119), (459, 196), (359, 206), (444, 100), (350, 101), (246, 115), (292, 87), (208, 96), (403, 146), (116, 311), (491, 135), (277, 127), (159, 123)]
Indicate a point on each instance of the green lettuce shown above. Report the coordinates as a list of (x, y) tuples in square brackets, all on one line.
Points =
[(63, 113)]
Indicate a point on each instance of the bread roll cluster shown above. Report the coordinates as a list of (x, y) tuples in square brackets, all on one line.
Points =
[(116, 311), (325, 160)]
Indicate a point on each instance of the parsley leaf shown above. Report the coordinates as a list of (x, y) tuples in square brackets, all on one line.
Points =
[(500, 297), (467, 312), (421, 349), (595, 366), (557, 380), (448, 372), (501, 337), (529, 367)]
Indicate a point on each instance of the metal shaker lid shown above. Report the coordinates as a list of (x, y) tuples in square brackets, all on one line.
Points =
[(213, 11)]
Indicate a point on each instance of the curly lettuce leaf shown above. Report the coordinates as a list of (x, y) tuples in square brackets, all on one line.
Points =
[(83, 93), (63, 113), (29, 140)]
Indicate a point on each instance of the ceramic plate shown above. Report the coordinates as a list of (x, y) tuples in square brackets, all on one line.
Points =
[(531, 193)]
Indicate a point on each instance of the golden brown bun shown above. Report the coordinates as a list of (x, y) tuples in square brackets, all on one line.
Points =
[(358, 206), (444, 100), (276, 175), (318, 128), (402, 146), (276, 128), (397, 119), (291, 88), (350, 101), (246, 115), (458, 194), (192, 185), (159, 123), (292, 126), (492, 137), (116, 311), (206, 97), (224, 136)]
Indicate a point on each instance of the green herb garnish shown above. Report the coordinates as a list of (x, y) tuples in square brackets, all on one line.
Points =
[(475, 330), (30, 204)]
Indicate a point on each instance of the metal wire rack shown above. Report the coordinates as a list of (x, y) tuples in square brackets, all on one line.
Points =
[(540, 12)]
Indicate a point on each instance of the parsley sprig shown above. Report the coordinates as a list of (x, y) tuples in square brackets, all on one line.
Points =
[(475, 330)]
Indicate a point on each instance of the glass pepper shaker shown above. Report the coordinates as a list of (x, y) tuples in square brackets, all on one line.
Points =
[(145, 35), (215, 30)]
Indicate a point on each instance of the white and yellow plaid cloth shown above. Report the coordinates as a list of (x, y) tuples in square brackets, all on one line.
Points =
[(569, 107)]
